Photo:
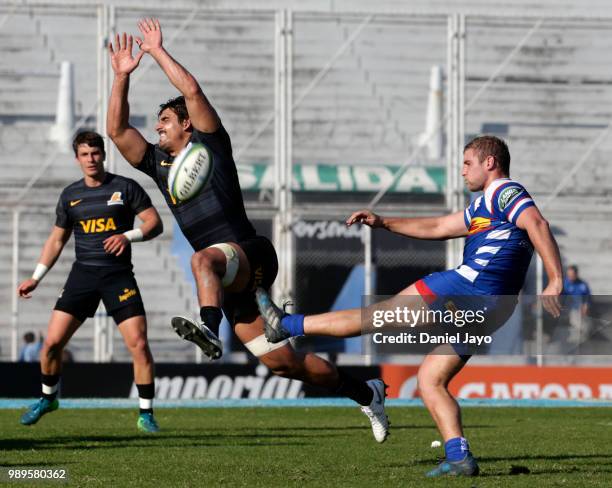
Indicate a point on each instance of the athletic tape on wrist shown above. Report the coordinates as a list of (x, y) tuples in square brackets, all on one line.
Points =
[(39, 272), (134, 235)]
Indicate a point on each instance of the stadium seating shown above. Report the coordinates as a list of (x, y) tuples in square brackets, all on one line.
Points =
[(550, 103), (163, 286)]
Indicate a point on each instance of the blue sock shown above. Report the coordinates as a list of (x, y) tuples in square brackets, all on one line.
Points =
[(456, 449), (294, 324)]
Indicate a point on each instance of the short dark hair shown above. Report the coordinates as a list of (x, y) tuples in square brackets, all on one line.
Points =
[(487, 146), (29, 337), (573, 267), (178, 106), (90, 138)]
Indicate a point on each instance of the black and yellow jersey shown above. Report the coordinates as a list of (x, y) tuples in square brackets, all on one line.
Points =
[(96, 213), (217, 213)]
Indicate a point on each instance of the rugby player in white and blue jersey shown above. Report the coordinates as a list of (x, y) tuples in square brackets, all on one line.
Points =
[(502, 227)]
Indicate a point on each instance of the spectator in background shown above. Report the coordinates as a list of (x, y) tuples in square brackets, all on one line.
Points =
[(579, 303), (30, 352)]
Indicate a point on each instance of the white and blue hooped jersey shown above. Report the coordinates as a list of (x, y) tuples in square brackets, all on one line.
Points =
[(497, 253)]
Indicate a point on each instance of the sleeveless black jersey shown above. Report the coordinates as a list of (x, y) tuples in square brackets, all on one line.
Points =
[(217, 213), (95, 213)]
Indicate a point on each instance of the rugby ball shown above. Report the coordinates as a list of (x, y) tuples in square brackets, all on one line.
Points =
[(190, 171)]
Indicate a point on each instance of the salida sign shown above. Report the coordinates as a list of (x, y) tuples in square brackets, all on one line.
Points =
[(345, 178)]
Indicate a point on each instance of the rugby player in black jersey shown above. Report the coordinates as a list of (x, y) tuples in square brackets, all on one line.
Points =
[(230, 260), (100, 210)]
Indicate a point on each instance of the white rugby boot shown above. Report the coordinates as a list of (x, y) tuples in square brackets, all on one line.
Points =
[(376, 410)]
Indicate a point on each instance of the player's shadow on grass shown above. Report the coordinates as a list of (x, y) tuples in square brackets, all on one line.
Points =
[(533, 457), (394, 426), (563, 470), (35, 464), (573, 468), (546, 457), (144, 441), (584, 467)]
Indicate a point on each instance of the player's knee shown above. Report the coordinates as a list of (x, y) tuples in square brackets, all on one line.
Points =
[(139, 347), (200, 260), (52, 349), (205, 261), (427, 382)]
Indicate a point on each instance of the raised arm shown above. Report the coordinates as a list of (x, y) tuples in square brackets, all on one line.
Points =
[(201, 113), (50, 252), (128, 140), (532, 221), (432, 228), (150, 228)]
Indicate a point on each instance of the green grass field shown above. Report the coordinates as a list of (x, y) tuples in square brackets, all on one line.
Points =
[(325, 447)]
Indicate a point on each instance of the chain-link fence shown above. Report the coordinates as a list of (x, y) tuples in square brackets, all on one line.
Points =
[(323, 109)]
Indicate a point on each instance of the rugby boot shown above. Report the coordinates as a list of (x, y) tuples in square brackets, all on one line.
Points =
[(272, 315), (146, 423), (200, 335), (375, 411), (466, 467), (38, 409)]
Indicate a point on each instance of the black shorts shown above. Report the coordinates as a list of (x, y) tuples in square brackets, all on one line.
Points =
[(264, 268), (87, 285)]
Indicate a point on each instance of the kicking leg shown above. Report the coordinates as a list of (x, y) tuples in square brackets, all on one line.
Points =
[(342, 323), (61, 327)]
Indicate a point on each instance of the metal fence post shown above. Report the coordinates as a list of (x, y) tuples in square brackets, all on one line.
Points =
[(283, 234), (14, 281), (539, 312), (368, 284), (455, 94)]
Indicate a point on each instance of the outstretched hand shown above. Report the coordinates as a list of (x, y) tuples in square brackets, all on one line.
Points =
[(151, 35), (364, 217), (122, 60)]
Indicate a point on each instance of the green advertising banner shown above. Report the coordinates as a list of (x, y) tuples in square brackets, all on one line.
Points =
[(346, 178)]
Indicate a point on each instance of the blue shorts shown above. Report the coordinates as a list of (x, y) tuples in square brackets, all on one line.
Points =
[(447, 289), (449, 283)]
